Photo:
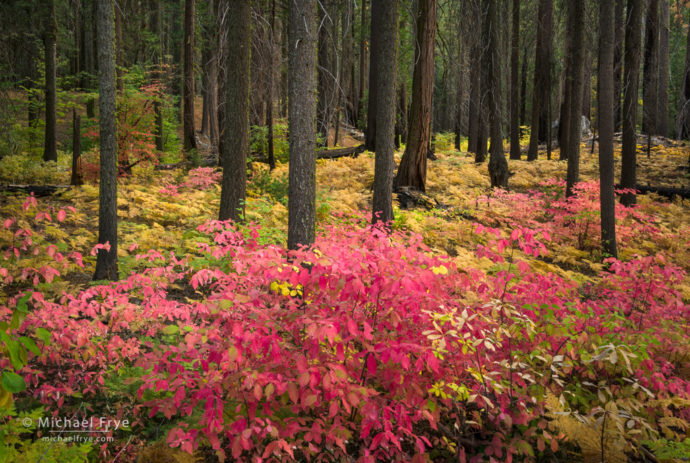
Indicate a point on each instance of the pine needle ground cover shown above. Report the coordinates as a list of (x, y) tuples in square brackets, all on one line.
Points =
[(486, 326)]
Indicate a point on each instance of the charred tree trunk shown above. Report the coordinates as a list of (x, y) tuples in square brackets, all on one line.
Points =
[(77, 178), (412, 169), (362, 59), (474, 113), (633, 41), (498, 166), (236, 143), (106, 261), (523, 88), (302, 123), (387, 12), (618, 64)]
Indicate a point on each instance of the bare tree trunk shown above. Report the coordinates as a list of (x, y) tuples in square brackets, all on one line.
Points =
[(542, 78), (223, 14), (578, 10), (302, 123), (618, 64), (523, 88), (683, 129), (587, 83), (412, 169), (269, 96), (664, 69), (650, 81), (188, 93), (605, 107), (474, 115), (326, 71), (106, 261), (373, 81), (498, 166), (50, 43), (633, 41), (362, 58), (514, 96), (77, 178), (236, 143), (387, 13), (119, 54)]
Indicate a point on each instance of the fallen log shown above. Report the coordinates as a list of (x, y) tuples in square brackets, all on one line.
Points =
[(37, 190), (666, 192), (352, 151)]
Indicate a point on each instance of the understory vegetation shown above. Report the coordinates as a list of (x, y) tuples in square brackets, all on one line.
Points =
[(485, 326)]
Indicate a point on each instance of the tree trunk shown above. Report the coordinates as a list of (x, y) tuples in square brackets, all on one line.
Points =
[(587, 83), (236, 143), (683, 129), (541, 92), (302, 123), (650, 81), (578, 10), (605, 105), (474, 115), (459, 96), (412, 169), (269, 96), (387, 13), (618, 64), (106, 261), (498, 166), (664, 69), (119, 55), (222, 17), (326, 72), (188, 92), (362, 59), (633, 26), (514, 96), (523, 88), (373, 80), (77, 178), (50, 43)]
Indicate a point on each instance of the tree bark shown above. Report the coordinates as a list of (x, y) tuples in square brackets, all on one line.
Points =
[(605, 108), (523, 88), (578, 10), (373, 79), (541, 93), (223, 14), (664, 69), (387, 12), (631, 82), (301, 123), (106, 261), (362, 59), (50, 43), (77, 178), (514, 82), (119, 53), (270, 84), (412, 169), (326, 71), (236, 143), (618, 64), (498, 166), (188, 91), (683, 129), (474, 116), (650, 81)]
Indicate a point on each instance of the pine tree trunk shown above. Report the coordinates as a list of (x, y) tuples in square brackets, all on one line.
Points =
[(542, 78), (683, 123), (618, 64), (326, 72), (387, 13), (77, 178), (412, 169), (188, 91), (664, 69), (498, 166), (373, 80), (578, 10), (514, 96), (474, 115), (523, 88), (106, 261), (119, 56), (650, 81), (605, 107), (302, 123), (269, 96), (222, 17), (362, 58), (236, 143), (50, 43), (633, 40), (587, 84)]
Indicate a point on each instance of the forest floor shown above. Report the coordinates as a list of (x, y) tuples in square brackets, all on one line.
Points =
[(160, 211)]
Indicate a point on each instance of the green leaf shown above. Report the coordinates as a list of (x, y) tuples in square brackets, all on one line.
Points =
[(30, 344), (12, 382), (171, 330), (14, 351), (44, 335)]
